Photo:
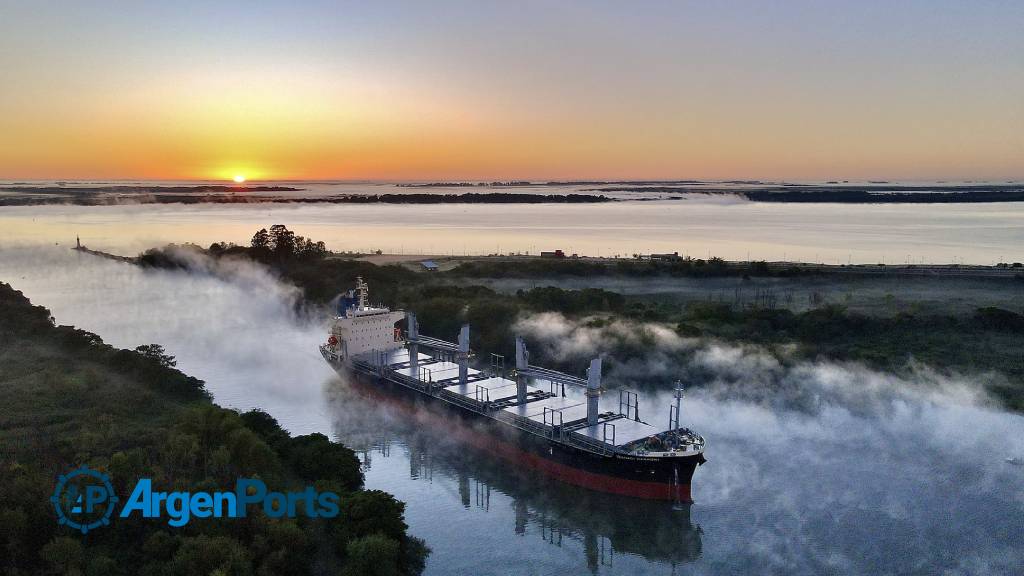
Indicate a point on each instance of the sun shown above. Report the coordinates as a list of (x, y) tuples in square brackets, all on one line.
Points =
[(239, 178)]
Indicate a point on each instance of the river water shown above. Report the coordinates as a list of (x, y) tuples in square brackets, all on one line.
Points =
[(876, 475), (695, 225)]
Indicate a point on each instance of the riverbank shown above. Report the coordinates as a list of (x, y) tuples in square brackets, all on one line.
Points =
[(72, 400)]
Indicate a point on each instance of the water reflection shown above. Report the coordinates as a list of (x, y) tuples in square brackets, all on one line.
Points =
[(596, 530)]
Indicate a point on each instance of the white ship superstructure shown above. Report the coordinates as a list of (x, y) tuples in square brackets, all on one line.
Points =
[(360, 328)]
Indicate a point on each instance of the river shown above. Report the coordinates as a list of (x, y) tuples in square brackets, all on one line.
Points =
[(695, 225), (881, 475)]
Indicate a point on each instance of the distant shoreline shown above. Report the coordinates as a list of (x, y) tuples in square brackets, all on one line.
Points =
[(115, 195), (20, 195), (876, 194)]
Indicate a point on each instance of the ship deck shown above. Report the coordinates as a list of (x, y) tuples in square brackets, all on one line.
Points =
[(545, 412)]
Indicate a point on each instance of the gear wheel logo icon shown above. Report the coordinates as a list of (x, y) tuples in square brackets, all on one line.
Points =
[(84, 499)]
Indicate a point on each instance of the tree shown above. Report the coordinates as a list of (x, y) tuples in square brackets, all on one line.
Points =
[(156, 353), (64, 555), (285, 245), (306, 248), (282, 241), (260, 240), (206, 555), (373, 555), (370, 512), (102, 565), (283, 550), (314, 456), (266, 426)]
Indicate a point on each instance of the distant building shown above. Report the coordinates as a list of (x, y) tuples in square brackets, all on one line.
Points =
[(429, 265), (555, 254), (667, 257)]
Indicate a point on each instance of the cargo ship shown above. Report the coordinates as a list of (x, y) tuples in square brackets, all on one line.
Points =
[(526, 416)]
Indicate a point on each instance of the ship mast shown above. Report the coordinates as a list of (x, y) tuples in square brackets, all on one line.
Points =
[(363, 292), (674, 411)]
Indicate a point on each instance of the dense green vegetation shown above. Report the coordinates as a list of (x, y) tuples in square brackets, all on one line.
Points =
[(989, 340), (561, 267), (68, 399)]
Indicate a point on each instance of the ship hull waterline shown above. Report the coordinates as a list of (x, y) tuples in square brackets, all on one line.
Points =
[(647, 478)]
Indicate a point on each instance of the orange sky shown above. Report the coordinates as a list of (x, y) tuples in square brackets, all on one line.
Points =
[(586, 90)]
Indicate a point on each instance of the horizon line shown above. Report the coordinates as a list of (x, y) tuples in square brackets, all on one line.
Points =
[(490, 180)]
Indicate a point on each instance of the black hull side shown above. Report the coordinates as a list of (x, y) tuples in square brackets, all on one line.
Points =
[(643, 477)]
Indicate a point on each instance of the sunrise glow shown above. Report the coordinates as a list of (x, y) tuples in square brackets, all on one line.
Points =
[(239, 178), (676, 90)]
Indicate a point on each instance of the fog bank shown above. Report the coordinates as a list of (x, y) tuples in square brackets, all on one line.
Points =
[(233, 326)]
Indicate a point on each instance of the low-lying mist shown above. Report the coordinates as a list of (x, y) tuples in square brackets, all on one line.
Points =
[(233, 325), (813, 467), (642, 352), (837, 467)]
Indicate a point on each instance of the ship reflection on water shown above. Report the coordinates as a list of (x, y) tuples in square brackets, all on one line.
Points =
[(449, 479), (605, 525)]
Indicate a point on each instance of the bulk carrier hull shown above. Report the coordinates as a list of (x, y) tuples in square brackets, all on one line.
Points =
[(648, 478)]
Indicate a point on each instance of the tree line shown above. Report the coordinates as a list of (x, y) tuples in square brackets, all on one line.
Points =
[(70, 399)]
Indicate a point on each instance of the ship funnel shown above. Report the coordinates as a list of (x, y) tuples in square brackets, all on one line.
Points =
[(464, 354), (522, 356), (593, 390)]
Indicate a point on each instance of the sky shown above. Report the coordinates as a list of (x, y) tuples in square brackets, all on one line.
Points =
[(798, 90)]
